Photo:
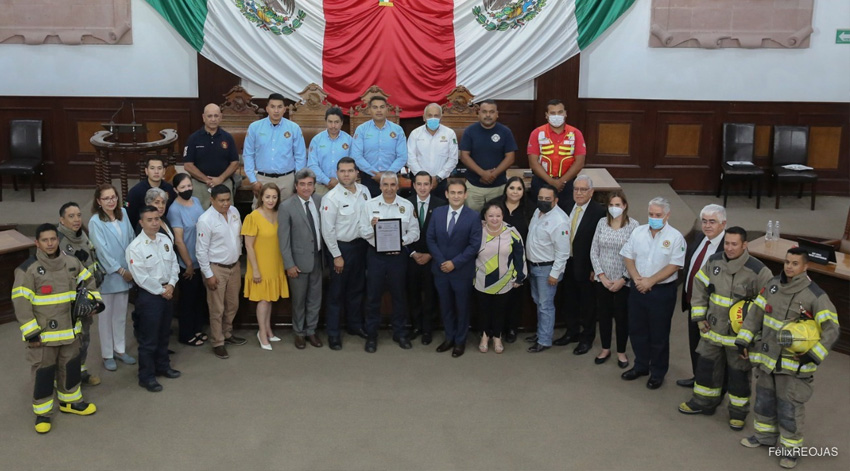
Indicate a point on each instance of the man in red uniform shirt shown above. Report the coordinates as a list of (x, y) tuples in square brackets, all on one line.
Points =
[(556, 153)]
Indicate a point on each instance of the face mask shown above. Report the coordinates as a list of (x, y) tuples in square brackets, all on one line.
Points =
[(656, 223), (615, 211), (544, 206), (186, 195), (433, 123), (556, 120)]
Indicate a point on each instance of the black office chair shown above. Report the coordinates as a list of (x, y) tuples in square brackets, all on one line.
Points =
[(738, 145), (791, 146), (25, 155)]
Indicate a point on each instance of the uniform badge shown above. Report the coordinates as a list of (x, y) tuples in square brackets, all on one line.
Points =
[(392, 135), (344, 146), (287, 135), (443, 139), (185, 150), (69, 248), (167, 249), (47, 289), (774, 289), (764, 347), (713, 320), (53, 324), (364, 197), (401, 209), (716, 270), (40, 270), (665, 244), (224, 144), (495, 138)]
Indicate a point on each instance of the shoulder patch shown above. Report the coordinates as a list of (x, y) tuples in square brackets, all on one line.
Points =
[(816, 290), (754, 264), (27, 263)]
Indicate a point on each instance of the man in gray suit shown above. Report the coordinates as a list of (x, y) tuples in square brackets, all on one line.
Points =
[(299, 229)]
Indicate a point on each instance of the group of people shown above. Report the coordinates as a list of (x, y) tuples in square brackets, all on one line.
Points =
[(468, 245)]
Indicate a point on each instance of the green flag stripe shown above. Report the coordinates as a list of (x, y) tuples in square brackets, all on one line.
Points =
[(595, 16), (186, 16)]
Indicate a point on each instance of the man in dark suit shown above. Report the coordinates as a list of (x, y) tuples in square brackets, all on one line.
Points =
[(454, 238), (579, 295), (705, 244), (299, 235), (421, 293)]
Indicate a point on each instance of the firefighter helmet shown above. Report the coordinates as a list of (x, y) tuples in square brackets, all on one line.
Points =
[(737, 313), (799, 336)]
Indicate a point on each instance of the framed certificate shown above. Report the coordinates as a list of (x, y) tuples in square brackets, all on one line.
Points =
[(388, 235)]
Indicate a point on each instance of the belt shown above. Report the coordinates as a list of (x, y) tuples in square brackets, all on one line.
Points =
[(541, 264), (225, 265), (275, 175)]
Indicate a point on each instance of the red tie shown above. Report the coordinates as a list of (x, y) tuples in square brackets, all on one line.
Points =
[(695, 269)]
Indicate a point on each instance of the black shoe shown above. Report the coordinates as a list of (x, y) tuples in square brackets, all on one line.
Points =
[(531, 338), (458, 350), (234, 340), (403, 342), (426, 338), (633, 374), (566, 339), (359, 332), (414, 333), (371, 346), (445, 346), (509, 336), (169, 373), (335, 343), (654, 383), (582, 349), (600, 361), (151, 386), (623, 364), (685, 383), (537, 348)]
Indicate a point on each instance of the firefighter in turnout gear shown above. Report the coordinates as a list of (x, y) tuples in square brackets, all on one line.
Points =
[(74, 242), (784, 379), (43, 294), (726, 279)]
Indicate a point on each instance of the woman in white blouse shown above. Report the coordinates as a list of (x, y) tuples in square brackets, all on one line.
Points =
[(612, 289)]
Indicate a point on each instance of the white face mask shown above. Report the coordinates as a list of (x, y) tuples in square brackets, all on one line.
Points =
[(556, 120), (615, 211)]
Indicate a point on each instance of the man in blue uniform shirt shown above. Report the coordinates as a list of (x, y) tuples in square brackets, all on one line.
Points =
[(274, 150), (378, 146), (326, 149)]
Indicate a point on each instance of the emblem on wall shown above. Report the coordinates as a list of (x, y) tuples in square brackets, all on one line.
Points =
[(277, 16), (502, 15)]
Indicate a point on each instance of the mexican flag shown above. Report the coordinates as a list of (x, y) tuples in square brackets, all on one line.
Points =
[(417, 51)]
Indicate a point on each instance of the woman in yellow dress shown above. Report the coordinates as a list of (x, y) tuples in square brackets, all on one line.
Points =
[(265, 278)]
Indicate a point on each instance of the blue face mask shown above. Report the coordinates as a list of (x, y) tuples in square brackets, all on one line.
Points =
[(656, 223), (433, 123)]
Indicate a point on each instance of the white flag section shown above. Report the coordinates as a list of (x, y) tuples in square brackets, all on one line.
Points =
[(492, 63), (283, 63)]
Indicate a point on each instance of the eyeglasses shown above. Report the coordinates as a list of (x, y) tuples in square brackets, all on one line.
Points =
[(581, 190), (110, 198)]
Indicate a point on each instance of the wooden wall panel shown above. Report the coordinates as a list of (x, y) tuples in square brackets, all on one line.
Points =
[(824, 147), (683, 140), (613, 138)]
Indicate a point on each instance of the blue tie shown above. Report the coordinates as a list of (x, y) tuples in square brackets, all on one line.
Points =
[(452, 222)]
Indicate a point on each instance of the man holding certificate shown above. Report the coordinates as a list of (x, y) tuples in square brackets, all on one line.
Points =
[(387, 222)]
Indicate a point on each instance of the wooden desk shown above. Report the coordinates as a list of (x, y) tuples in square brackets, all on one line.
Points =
[(14, 250), (833, 278)]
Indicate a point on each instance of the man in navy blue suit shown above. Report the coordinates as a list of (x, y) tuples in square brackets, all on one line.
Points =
[(454, 238)]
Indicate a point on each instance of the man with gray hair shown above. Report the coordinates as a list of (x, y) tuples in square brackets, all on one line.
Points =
[(432, 148), (299, 235), (653, 254), (387, 269), (705, 244)]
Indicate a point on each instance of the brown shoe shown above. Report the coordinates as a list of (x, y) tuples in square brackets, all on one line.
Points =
[(314, 340), (221, 352), (300, 344)]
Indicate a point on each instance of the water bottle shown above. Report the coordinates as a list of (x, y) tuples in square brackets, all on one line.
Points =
[(776, 235), (769, 234)]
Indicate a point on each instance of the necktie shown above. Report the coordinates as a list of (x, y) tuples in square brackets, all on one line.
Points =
[(695, 269), (310, 218), (421, 215), (574, 223), (452, 222)]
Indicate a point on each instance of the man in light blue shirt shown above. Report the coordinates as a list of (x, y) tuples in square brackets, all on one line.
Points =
[(378, 146), (274, 150), (326, 149)]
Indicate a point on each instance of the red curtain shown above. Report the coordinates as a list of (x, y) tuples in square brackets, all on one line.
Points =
[(407, 49)]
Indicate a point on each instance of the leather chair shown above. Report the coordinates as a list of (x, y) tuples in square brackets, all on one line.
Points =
[(791, 146), (738, 145), (25, 155)]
